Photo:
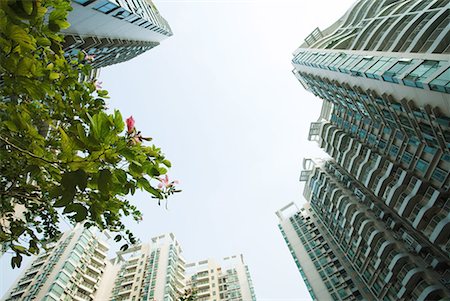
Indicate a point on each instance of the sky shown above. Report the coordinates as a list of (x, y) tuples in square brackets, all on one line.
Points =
[(220, 100)]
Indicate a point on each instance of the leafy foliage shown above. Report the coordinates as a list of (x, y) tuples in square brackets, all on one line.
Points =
[(61, 153)]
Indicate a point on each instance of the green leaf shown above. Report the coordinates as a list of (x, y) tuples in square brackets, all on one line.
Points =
[(19, 249), (19, 35), (66, 197), (10, 125), (118, 121), (80, 210), (167, 163), (81, 179), (43, 41), (27, 6), (67, 145), (53, 75), (104, 181), (16, 261), (118, 238), (124, 248)]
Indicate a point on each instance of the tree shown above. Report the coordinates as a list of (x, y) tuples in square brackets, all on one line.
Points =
[(61, 153)]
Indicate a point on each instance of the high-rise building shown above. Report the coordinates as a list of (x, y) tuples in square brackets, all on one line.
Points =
[(113, 31), (77, 268), (321, 267), (153, 271), (228, 280), (72, 269), (381, 203)]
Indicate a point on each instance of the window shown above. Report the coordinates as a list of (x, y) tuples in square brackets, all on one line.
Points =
[(398, 68), (442, 82), (374, 71), (105, 6), (439, 175), (83, 2), (56, 289), (122, 14), (348, 63), (362, 65), (416, 77), (422, 165)]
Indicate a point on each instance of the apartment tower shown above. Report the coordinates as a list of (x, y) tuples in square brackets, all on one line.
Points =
[(72, 269), (228, 280), (113, 31), (381, 203)]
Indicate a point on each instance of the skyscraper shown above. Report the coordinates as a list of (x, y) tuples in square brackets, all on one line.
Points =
[(228, 280), (153, 271), (72, 268), (113, 31), (382, 202), (77, 268)]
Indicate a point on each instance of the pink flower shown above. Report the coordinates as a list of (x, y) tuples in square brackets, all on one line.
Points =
[(98, 85), (130, 124), (164, 182), (88, 57)]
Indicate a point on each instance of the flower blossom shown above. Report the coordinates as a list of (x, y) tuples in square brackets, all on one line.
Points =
[(98, 85), (88, 57), (130, 124), (164, 182)]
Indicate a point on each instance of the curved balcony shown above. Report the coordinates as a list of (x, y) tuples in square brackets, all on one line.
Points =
[(395, 265), (425, 208), (349, 209), (394, 186), (350, 150), (407, 204), (441, 232), (340, 203), (368, 169), (431, 292), (357, 165), (384, 178), (410, 279), (324, 132), (377, 174), (385, 249)]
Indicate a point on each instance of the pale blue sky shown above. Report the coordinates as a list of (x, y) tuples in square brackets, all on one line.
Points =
[(220, 100)]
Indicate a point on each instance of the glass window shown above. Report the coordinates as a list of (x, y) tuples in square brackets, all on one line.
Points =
[(416, 77), (337, 61), (84, 2), (407, 157), (442, 82), (398, 68), (362, 65), (373, 72), (422, 165), (439, 175), (348, 63), (105, 6), (69, 267), (122, 14), (56, 289)]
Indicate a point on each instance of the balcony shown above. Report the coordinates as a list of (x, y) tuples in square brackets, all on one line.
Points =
[(411, 277), (394, 187), (95, 268), (377, 182), (405, 205), (81, 297), (425, 208), (442, 228), (90, 277), (87, 287)]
